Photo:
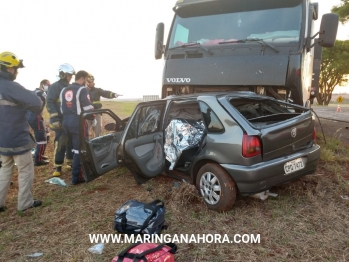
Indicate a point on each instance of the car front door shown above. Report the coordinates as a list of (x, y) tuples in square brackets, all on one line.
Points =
[(144, 141), (98, 155)]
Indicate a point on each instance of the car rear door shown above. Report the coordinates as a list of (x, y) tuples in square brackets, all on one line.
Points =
[(144, 141), (98, 155)]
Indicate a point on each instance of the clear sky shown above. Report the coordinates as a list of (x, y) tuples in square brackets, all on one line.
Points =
[(114, 40)]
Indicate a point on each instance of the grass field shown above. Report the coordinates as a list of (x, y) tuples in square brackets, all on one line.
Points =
[(307, 221)]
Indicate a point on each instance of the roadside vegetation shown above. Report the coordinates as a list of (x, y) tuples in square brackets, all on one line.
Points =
[(308, 220)]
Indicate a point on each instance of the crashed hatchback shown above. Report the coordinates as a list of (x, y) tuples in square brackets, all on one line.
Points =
[(224, 143)]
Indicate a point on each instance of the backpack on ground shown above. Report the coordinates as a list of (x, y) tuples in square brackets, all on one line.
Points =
[(148, 252), (135, 217)]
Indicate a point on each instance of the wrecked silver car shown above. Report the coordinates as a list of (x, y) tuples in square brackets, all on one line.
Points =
[(224, 143)]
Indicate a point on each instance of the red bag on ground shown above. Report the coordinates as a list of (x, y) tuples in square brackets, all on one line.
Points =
[(148, 252)]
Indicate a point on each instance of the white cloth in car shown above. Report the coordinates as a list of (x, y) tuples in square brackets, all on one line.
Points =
[(180, 135)]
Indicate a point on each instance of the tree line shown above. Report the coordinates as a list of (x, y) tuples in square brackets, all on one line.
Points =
[(335, 61)]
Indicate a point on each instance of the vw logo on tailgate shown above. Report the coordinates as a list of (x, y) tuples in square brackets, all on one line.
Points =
[(294, 132)]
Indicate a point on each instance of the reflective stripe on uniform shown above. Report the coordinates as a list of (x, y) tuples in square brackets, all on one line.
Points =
[(75, 151), (61, 99), (78, 106), (17, 149), (6, 103)]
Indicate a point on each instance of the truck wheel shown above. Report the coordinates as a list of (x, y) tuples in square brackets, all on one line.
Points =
[(217, 187)]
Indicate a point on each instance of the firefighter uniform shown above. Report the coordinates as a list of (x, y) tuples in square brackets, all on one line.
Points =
[(63, 146), (75, 99), (36, 122), (96, 94), (15, 139)]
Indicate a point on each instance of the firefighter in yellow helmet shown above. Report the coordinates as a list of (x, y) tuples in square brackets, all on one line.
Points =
[(95, 95), (15, 139)]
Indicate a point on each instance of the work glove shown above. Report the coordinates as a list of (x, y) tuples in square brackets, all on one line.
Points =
[(97, 105), (55, 123), (116, 95), (94, 122)]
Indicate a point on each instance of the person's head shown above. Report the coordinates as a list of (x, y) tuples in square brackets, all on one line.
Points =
[(10, 63), (81, 77), (66, 71), (44, 84), (90, 81)]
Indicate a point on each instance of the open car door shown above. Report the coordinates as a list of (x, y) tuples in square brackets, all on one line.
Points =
[(98, 154), (144, 141)]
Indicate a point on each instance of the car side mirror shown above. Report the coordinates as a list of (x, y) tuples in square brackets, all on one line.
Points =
[(159, 41), (328, 30), (111, 127)]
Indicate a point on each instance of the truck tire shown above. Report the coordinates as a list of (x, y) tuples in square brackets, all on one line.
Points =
[(217, 187)]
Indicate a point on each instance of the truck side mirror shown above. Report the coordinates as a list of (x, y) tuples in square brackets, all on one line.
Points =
[(159, 40), (328, 30)]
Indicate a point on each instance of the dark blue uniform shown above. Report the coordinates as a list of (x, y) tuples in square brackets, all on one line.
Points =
[(75, 99), (62, 145), (36, 122), (15, 100)]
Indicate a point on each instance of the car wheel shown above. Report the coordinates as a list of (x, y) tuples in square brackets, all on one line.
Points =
[(216, 187)]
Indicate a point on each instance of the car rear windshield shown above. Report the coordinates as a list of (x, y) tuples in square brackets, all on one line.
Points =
[(262, 112)]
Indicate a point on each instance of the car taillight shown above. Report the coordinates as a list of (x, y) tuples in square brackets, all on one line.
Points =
[(314, 134), (251, 146)]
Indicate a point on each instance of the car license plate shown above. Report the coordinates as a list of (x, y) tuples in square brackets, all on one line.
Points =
[(293, 166)]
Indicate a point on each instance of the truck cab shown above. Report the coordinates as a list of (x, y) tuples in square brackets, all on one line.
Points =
[(266, 47)]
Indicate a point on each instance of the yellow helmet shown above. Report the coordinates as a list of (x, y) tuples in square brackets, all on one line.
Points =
[(9, 59), (91, 78)]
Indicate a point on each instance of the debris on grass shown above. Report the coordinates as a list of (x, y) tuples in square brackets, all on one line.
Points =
[(56, 181), (345, 197), (35, 255), (97, 249)]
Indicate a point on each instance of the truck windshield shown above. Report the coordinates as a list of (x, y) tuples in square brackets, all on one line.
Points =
[(214, 22)]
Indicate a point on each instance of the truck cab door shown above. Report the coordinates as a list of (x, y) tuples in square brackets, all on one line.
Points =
[(144, 141), (98, 155)]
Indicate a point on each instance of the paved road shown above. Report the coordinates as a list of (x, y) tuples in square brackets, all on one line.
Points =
[(335, 124), (330, 112)]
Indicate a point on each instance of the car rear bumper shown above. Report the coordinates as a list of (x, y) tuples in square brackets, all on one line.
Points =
[(262, 176)]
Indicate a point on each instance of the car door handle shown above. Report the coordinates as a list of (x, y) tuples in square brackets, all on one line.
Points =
[(157, 137)]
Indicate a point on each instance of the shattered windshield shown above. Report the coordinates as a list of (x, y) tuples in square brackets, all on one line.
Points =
[(215, 22)]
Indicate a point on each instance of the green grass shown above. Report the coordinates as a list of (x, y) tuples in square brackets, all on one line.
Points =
[(121, 109), (308, 221)]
